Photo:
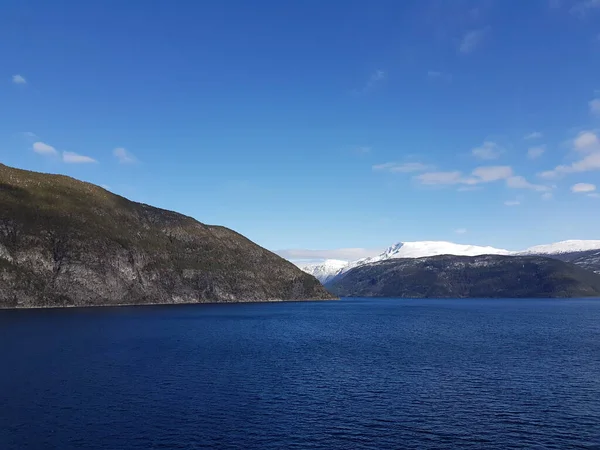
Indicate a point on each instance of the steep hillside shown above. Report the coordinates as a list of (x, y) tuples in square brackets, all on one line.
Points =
[(64, 242)]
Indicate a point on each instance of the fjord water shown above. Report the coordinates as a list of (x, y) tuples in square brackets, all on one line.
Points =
[(358, 373)]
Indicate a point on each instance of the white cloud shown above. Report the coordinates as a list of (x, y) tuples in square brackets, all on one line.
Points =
[(587, 164), (492, 173), (472, 40), (489, 150), (536, 152), (595, 106), (518, 182), (75, 158), (586, 142), (547, 196), (124, 156), (44, 149), (29, 134), (512, 203), (534, 135), (460, 231), (19, 79), (484, 174), (583, 188), (402, 167), (348, 254)]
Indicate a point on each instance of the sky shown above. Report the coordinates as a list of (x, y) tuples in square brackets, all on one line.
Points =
[(318, 129)]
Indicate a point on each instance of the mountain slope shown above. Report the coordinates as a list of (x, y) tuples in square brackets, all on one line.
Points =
[(464, 277), (64, 242)]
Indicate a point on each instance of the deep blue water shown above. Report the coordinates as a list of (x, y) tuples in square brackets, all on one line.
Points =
[(358, 373)]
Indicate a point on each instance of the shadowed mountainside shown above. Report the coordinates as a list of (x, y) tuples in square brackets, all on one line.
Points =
[(465, 277)]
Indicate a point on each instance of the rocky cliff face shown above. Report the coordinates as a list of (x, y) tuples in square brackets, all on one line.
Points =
[(464, 277), (64, 242)]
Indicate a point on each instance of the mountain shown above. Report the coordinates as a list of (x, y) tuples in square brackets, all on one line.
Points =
[(583, 253), (465, 277), (64, 242), (563, 247), (326, 270)]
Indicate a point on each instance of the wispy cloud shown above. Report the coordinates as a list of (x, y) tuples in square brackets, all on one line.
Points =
[(75, 158), (348, 254), (519, 182), (472, 40), (489, 150), (460, 230), (19, 79), (595, 106), (484, 174), (512, 203), (480, 175), (441, 178), (44, 149), (488, 174), (583, 188), (586, 143), (536, 152), (547, 196), (402, 167), (124, 156), (584, 7), (375, 79), (437, 75), (534, 135)]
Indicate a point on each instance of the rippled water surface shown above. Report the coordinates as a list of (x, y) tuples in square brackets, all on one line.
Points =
[(358, 373)]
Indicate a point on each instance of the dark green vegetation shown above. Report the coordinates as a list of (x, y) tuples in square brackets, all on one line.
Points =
[(589, 259), (468, 277), (64, 242)]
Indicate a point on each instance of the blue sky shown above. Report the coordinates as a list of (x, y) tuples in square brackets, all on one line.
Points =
[(337, 126)]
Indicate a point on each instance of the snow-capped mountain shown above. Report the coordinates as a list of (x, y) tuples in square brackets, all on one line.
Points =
[(580, 252), (326, 270), (572, 246)]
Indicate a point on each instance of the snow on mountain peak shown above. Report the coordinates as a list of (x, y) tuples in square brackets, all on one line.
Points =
[(570, 246), (331, 268), (325, 270)]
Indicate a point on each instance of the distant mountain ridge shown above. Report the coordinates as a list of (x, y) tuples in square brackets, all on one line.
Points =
[(584, 253), (486, 276)]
